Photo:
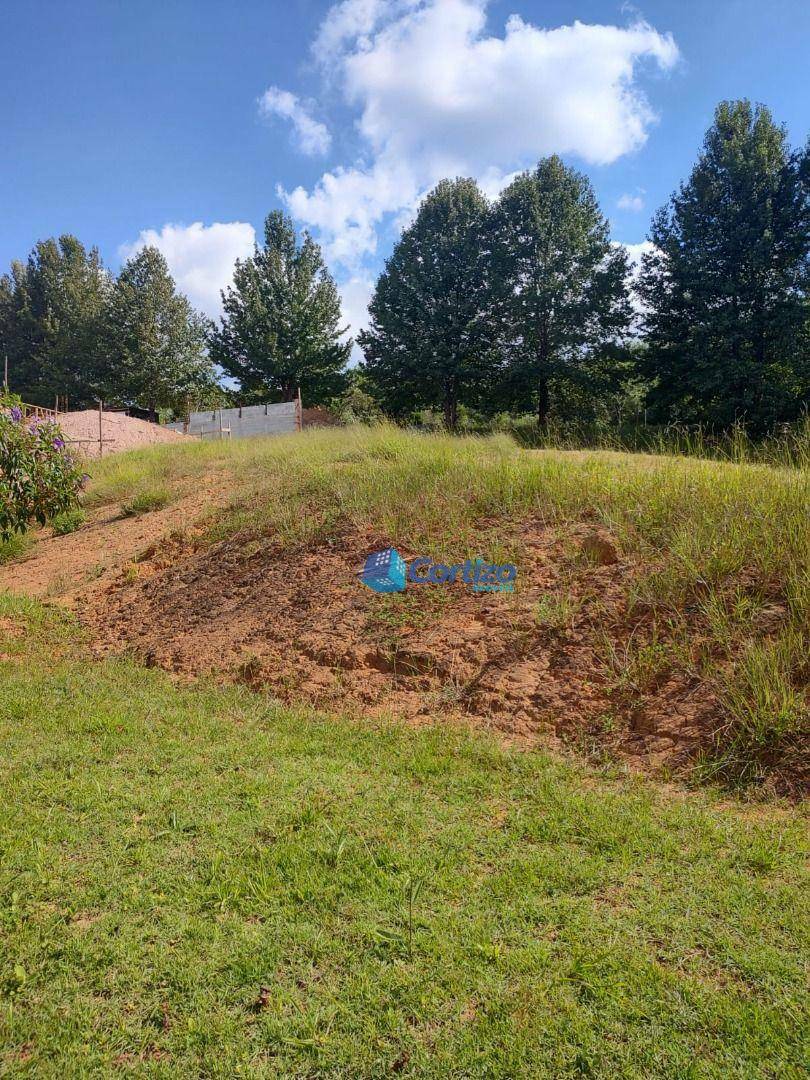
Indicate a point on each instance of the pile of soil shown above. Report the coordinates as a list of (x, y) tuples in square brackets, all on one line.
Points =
[(120, 432), (317, 416), (305, 628)]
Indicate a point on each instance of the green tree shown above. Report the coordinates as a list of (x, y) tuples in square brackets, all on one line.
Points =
[(155, 342), (52, 310), (430, 340), (281, 327), (726, 287), (561, 287)]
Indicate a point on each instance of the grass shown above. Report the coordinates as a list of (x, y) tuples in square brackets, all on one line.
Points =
[(704, 533), (197, 882), (788, 445), (17, 545), (146, 501), (68, 521)]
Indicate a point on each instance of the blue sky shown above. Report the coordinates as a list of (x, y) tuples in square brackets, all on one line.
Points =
[(183, 122)]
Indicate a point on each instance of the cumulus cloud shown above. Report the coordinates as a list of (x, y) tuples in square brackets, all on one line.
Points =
[(635, 252), (200, 257), (355, 294), (629, 201), (311, 136), (436, 95)]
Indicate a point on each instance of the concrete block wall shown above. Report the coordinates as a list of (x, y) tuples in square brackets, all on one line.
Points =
[(277, 419)]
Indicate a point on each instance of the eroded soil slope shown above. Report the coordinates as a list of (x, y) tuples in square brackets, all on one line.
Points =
[(554, 660)]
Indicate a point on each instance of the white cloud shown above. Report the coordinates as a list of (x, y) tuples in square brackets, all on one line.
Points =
[(634, 202), (200, 257), (635, 252), (355, 294), (346, 206), (349, 21), (437, 96), (311, 136)]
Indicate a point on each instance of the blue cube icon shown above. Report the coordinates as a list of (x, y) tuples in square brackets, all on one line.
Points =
[(385, 571)]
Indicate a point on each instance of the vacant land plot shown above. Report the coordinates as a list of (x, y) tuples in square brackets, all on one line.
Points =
[(301, 854), (660, 616)]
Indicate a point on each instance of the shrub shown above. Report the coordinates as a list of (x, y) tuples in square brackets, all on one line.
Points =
[(38, 477), (14, 548), (68, 521), (146, 501)]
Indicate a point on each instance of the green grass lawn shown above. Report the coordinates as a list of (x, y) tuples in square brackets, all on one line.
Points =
[(195, 882)]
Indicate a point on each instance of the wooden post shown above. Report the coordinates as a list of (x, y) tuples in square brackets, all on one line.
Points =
[(299, 412), (100, 428)]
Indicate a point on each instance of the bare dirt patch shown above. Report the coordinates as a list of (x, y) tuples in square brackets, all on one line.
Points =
[(74, 568), (533, 665)]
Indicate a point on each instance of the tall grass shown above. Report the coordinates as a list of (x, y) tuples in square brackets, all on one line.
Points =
[(788, 446)]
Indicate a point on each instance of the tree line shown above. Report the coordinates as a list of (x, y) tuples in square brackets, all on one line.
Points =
[(519, 305), (527, 304), (69, 329)]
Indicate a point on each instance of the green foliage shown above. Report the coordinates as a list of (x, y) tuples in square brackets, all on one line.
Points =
[(38, 478), (357, 405), (15, 547), (281, 329), (155, 341), (52, 310), (68, 521), (727, 287), (562, 287), (561, 290), (145, 501), (431, 337)]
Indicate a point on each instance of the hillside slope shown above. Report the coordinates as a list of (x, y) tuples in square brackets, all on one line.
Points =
[(660, 614)]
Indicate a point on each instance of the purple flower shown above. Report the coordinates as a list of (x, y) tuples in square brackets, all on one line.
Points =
[(16, 414), (58, 443)]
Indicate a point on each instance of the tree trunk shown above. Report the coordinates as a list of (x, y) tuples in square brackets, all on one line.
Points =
[(543, 398), (543, 403), (450, 407)]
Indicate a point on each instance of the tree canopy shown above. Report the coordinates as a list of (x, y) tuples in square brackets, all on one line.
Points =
[(282, 326), (52, 309), (560, 284), (727, 319), (155, 341), (431, 337)]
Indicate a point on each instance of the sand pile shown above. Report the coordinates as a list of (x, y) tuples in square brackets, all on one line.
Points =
[(120, 432)]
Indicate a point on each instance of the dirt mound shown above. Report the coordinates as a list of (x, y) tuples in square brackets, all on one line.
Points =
[(318, 417), (120, 432), (531, 664)]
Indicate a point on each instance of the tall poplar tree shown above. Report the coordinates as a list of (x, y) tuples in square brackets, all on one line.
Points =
[(282, 326), (561, 286), (155, 343), (726, 287), (430, 340)]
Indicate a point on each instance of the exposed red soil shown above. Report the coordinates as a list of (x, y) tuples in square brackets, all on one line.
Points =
[(304, 628), (318, 417), (73, 569)]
